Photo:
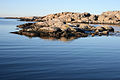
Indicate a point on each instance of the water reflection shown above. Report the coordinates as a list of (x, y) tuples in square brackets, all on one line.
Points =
[(64, 39)]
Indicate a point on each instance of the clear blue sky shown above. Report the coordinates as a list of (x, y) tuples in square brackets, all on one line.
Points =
[(43, 7)]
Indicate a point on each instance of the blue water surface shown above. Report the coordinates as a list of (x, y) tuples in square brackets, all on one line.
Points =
[(24, 58)]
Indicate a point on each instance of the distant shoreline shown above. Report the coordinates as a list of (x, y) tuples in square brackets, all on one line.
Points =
[(2, 17)]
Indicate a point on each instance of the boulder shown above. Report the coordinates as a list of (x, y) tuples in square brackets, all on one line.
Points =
[(108, 28), (86, 27), (100, 29), (85, 14), (101, 18), (93, 17), (105, 33), (50, 29), (42, 24)]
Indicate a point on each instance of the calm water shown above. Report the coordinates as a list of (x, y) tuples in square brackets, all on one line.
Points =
[(23, 58)]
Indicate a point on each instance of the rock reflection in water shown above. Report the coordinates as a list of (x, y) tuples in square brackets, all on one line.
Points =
[(64, 39)]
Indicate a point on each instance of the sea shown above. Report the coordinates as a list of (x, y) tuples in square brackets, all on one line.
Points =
[(35, 58)]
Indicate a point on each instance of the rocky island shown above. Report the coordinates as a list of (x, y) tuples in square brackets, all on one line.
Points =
[(69, 24)]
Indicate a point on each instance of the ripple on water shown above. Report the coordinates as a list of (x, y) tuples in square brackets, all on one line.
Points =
[(92, 58)]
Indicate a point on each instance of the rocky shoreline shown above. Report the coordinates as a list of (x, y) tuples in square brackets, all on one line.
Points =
[(110, 17), (69, 24), (64, 30)]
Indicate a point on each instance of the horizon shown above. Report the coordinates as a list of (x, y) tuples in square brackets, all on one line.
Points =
[(13, 8), (52, 13)]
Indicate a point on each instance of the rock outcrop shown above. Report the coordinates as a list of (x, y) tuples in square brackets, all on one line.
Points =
[(69, 24), (110, 17), (61, 29)]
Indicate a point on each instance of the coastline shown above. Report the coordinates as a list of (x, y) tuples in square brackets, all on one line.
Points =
[(68, 24), (109, 17)]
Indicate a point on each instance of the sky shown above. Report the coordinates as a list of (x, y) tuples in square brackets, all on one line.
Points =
[(44, 7)]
